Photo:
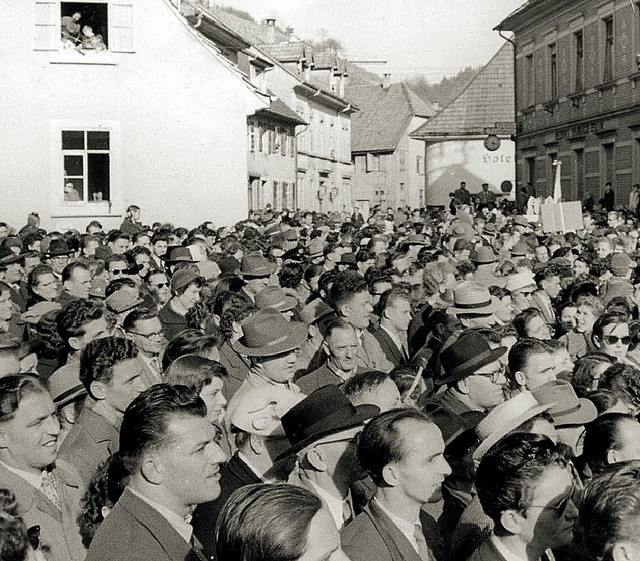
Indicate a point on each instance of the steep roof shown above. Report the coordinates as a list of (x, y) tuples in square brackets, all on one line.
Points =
[(286, 51), (384, 115), (255, 32), (487, 100), (281, 111)]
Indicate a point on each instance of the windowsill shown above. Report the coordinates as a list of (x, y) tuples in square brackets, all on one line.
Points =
[(607, 86), (80, 208), (529, 110), (577, 98), (551, 106), (84, 57), (634, 78)]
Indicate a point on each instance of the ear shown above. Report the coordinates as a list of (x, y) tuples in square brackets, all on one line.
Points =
[(462, 386), (74, 343), (98, 390), (596, 341), (611, 457), (389, 475), (313, 331), (520, 378), (256, 443), (316, 459), (511, 521), (344, 310), (325, 347), (623, 551), (152, 469)]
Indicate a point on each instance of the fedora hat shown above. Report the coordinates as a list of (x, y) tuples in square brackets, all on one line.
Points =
[(229, 266), (58, 247), (471, 297), (315, 248), (268, 333), (465, 356), (504, 418), (179, 255), (490, 229), (122, 300), (483, 255), (451, 424), (256, 266), (325, 412), (315, 310), (567, 408), (413, 239), (520, 249), (7, 257), (274, 297), (348, 259)]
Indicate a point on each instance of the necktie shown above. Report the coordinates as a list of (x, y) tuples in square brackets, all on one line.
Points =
[(347, 512), (423, 548), (49, 490), (197, 548)]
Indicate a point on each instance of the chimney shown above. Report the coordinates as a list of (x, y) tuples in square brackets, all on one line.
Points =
[(386, 81), (270, 24)]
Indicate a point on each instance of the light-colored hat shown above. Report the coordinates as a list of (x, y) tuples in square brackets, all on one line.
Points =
[(519, 281), (35, 312), (471, 297), (504, 418), (483, 255), (259, 410), (122, 301), (254, 265), (567, 408)]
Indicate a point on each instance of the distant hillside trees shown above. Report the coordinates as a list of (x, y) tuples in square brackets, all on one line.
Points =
[(445, 91)]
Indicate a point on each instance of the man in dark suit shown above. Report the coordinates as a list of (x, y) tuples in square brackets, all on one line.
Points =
[(253, 418), (403, 452), (394, 308), (47, 490), (341, 347), (169, 445), (111, 373), (526, 486)]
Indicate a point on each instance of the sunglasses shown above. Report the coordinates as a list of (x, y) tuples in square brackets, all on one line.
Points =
[(528, 293), (161, 284), (561, 508), (119, 271), (613, 339)]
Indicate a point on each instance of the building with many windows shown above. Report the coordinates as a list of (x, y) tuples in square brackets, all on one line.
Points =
[(578, 95), (107, 103)]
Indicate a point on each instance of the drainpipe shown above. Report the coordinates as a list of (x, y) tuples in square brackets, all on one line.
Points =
[(515, 98)]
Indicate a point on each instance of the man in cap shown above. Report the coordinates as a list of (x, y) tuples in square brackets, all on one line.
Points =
[(47, 489), (256, 272), (322, 430), (57, 255), (317, 315), (169, 447), (271, 343), (350, 297), (253, 419), (521, 288), (473, 305), (403, 452), (12, 272), (110, 373), (274, 297)]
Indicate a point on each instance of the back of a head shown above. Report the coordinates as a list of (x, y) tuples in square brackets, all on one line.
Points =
[(609, 511), (266, 521), (603, 437), (193, 371), (14, 537), (145, 424), (511, 468)]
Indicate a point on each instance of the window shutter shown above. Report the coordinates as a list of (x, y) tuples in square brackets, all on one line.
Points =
[(121, 27), (47, 30)]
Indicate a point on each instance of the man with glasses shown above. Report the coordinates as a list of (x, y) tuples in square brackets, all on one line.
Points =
[(323, 430), (145, 330), (117, 266), (521, 288), (158, 285), (473, 374), (526, 486)]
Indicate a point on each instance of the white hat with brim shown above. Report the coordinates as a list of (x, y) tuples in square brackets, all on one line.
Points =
[(504, 418)]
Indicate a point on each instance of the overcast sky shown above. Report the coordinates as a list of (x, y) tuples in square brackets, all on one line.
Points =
[(432, 37)]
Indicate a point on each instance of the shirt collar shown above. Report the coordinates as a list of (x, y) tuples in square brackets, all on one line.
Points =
[(33, 479), (507, 554), (407, 528), (178, 523), (334, 504)]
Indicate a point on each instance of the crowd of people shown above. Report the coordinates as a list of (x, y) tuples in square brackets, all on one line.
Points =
[(426, 385)]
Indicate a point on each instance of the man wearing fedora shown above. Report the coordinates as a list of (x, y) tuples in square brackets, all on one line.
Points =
[(322, 431), (403, 452), (256, 272), (473, 305), (253, 419), (57, 256), (351, 299), (270, 342), (12, 273), (473, 375)]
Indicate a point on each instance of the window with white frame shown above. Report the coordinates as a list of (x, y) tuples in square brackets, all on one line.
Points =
[(86, 156), (420, 165), (89, 27)]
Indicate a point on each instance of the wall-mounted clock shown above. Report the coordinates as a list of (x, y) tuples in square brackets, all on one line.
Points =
[(492, 143)]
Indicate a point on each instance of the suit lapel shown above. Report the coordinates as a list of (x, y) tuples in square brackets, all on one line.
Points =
[(399, 546), (398, 355), (167, 537)]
